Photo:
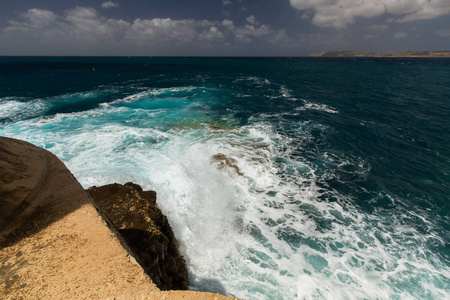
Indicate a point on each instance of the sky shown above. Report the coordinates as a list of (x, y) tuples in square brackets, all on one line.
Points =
[(221, 27)]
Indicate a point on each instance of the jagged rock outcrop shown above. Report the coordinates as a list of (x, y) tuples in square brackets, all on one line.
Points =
[(56, 244), (224, 161), (147, 232)]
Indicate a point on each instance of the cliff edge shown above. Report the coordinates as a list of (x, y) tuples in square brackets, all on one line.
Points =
[(146, 230), (54, 243)]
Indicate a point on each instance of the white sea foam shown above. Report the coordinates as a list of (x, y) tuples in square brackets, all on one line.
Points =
[(258, 81), (155, 92), (14, 109), (267, 234), (131, 98), (74, 97), (315, 106), (286, 93), (17, 109)]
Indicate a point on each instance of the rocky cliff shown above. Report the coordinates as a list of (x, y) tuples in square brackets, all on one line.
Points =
[(147, 232), (54, 243)]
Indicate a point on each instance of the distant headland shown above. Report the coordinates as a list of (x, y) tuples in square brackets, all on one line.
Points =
[(382, 54)]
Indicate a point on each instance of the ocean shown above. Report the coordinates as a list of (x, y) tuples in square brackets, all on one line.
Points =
[(283, 178)]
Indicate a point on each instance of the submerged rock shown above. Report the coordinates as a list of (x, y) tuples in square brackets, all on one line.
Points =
[(147, 232)]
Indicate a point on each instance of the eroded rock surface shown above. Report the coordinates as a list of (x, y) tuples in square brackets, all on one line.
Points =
[(224, 161), (146, 231), (53, 243)]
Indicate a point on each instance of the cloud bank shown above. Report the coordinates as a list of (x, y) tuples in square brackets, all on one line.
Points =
[(340, 13), (85, 28)]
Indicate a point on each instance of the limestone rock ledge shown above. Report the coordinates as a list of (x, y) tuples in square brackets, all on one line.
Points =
[(147, 232), (54, 244)]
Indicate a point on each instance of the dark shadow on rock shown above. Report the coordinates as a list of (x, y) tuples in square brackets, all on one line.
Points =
[(9, 270), (36, 190), (158, 261), (146, 231)]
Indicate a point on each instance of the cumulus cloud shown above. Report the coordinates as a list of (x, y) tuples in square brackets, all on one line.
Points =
[(40, 18), (252, 20), (177, 31), (340, 13), (228, 24), (35, 18), (84, 27), (226, 2), (35, 21), (109, 4), (83, 23)]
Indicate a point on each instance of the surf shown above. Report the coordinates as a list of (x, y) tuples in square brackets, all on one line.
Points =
[(268, 190)]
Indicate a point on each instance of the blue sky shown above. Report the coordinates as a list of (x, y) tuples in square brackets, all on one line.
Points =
[(221, 27)]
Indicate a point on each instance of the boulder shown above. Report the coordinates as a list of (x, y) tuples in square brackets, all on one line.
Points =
[(146, 231)]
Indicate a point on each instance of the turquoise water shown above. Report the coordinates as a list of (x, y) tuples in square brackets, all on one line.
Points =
[(345, 163)]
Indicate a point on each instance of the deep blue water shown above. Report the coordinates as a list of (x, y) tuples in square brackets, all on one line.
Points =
[(346, 162)]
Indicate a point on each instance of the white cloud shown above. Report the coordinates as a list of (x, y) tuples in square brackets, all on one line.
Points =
[(81, 15), (83, 23), (35, 19), (401, 7), (428, 10), (400, 35), (226, 2), (340, 13), (109, 4), (311, 4), (211, 35), (39, 18), (85, 28), (252, 20), (166, 30), (228, 24)]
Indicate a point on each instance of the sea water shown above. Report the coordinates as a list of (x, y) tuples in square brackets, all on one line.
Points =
[(283, 178)]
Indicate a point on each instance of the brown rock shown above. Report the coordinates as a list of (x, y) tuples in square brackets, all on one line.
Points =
[(54, 243), (224, 161), (147, 232)]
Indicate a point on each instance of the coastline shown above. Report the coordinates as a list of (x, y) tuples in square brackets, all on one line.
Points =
[(403, 54), (54, 242)]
